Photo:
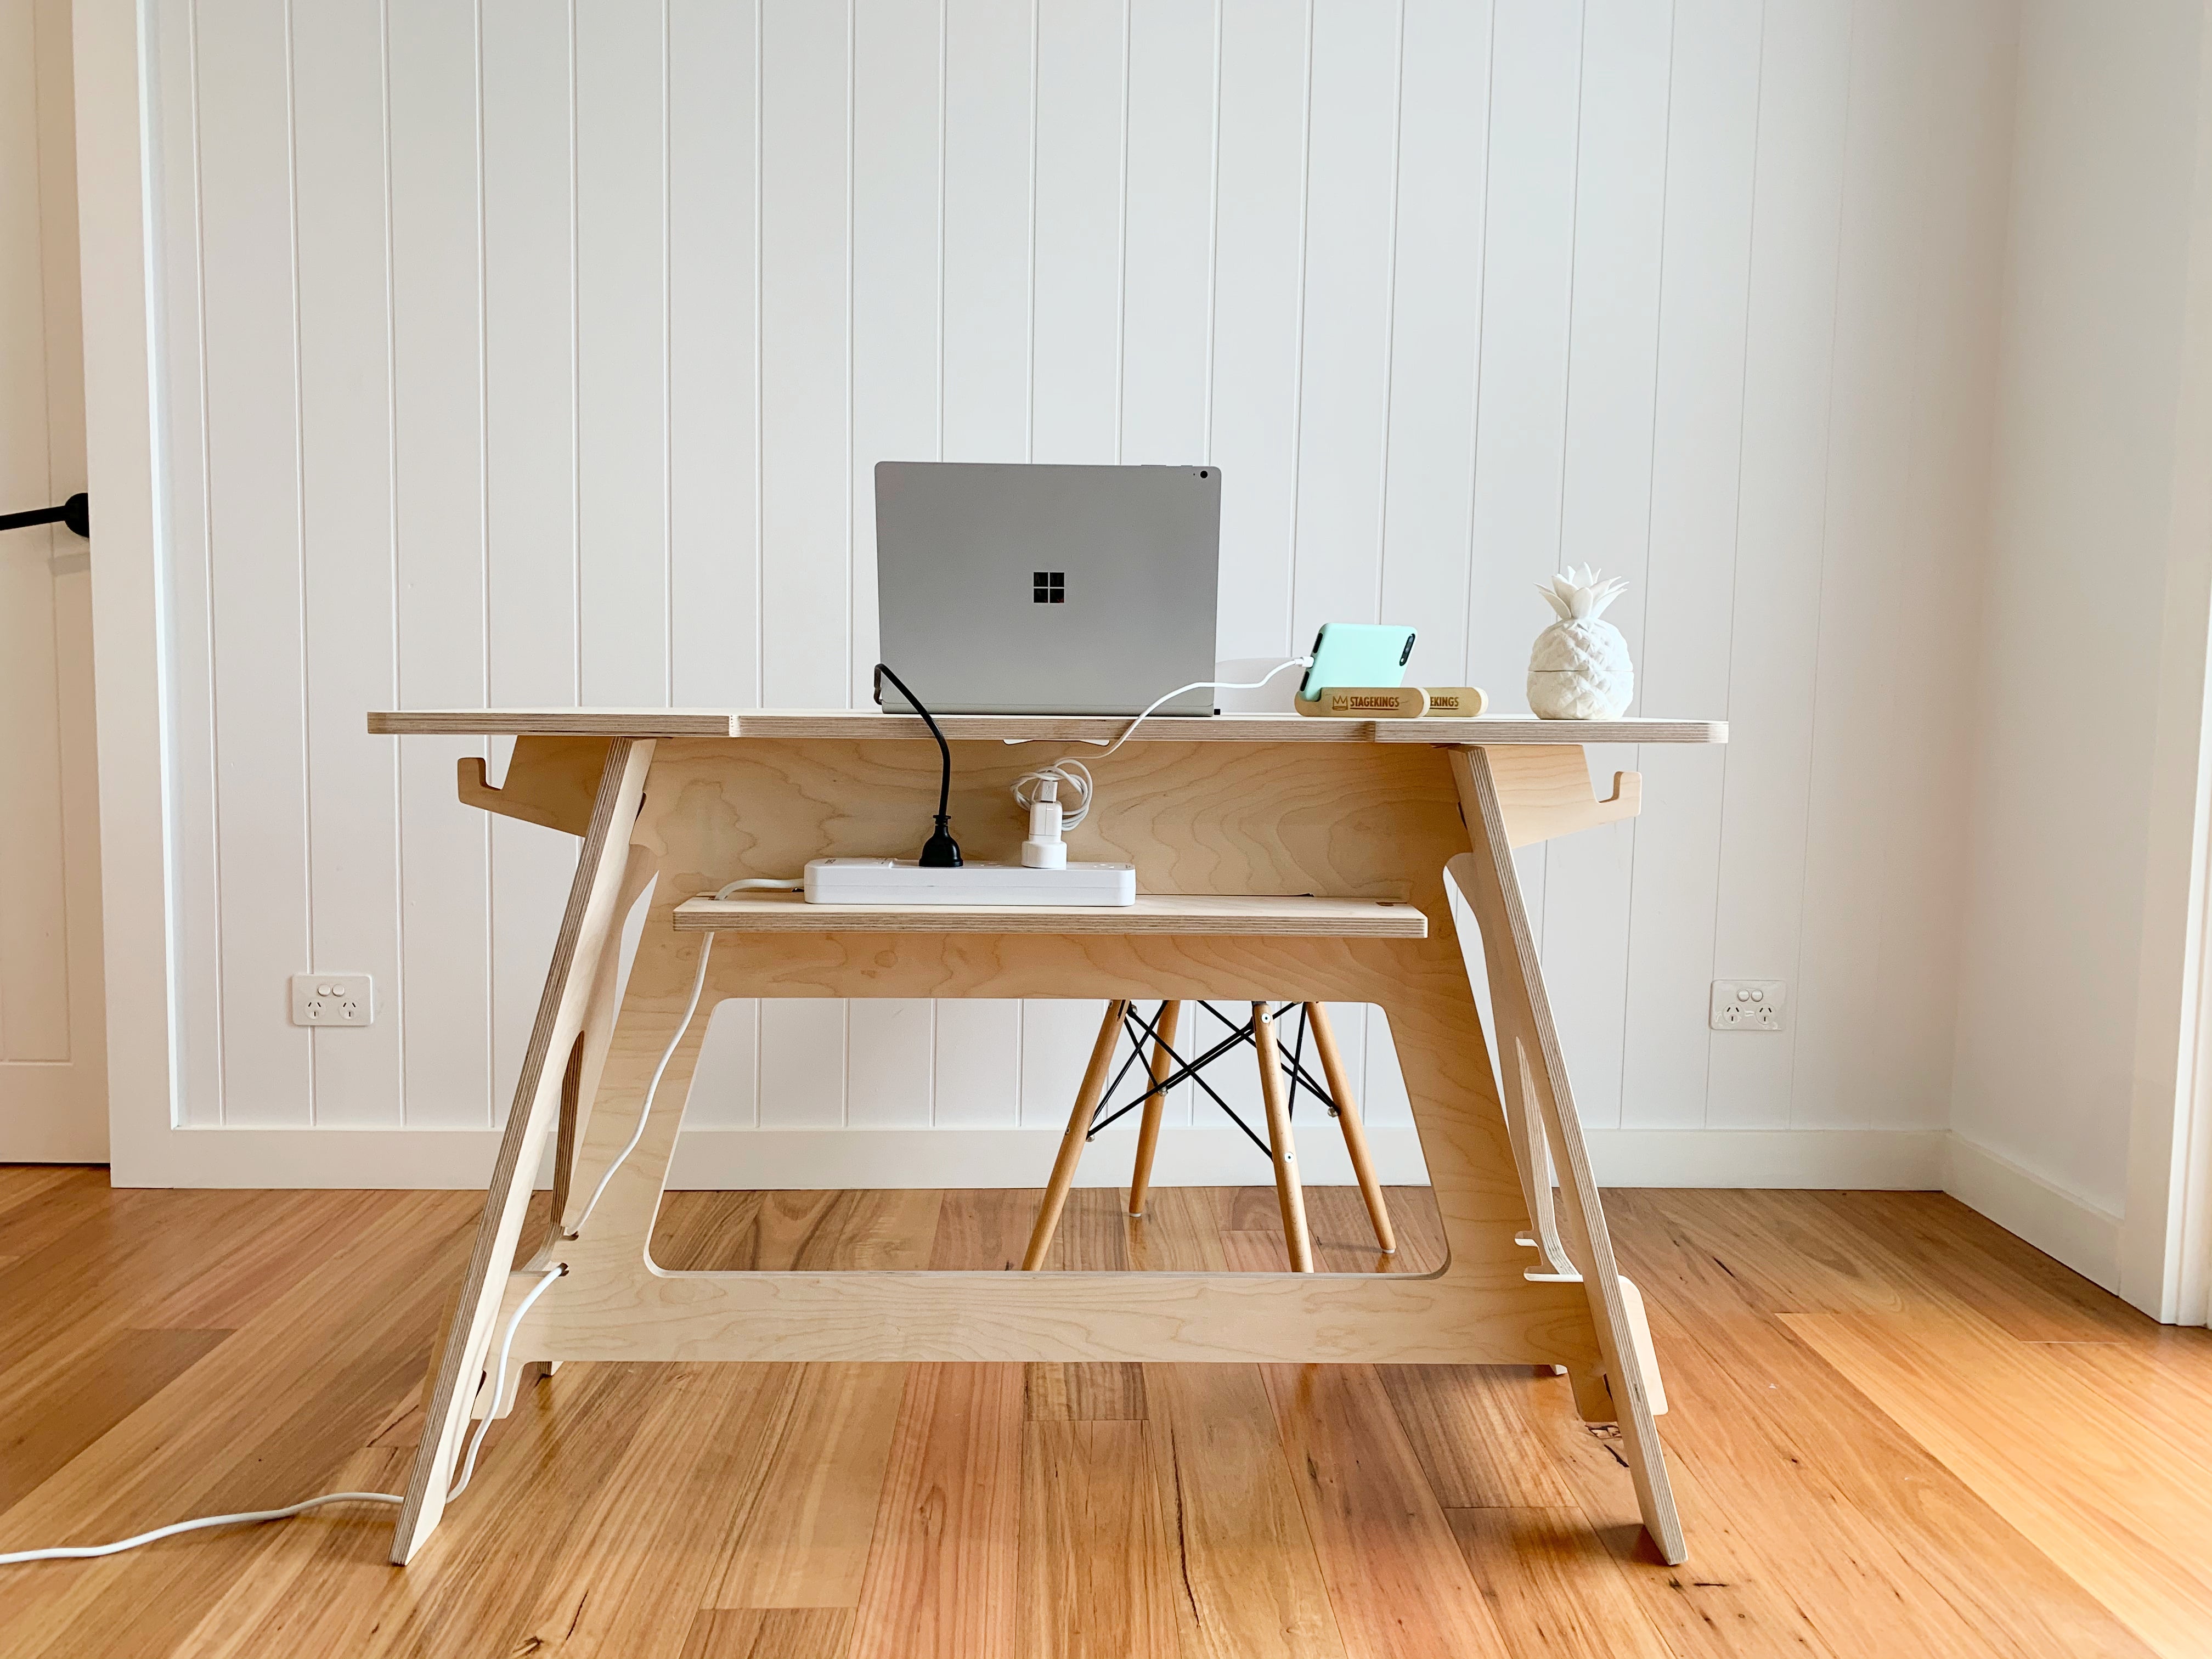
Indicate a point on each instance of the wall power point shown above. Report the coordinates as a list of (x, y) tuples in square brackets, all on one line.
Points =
[(1750, 1005), (333, 1000)]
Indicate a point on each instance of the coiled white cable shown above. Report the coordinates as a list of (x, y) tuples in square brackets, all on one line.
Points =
[(1072, 774)]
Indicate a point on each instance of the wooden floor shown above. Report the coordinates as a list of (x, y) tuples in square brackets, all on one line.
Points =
[(1896, 1430)]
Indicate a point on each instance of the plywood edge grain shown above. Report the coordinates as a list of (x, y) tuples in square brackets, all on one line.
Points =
[(856, 723), (552, 722), (1153, 913)]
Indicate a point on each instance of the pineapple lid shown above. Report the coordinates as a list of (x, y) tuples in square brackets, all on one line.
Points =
[(1579, 593)]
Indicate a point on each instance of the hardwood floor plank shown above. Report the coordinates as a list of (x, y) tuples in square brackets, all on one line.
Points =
[(1181, 1232), (799, 1231), (642, 1551), (1256, 1251), (2164, 1378), (1396, 1576), (1094, 1233), (1961, 1256), (805, 1542), (1476, 1446), (1993, 1451), (1103, 1392), (1097, 1572), (984, 1229), (21, 1183), (2105, 1496), (706, 1232), (771, 1633), (266, 1418), (1779, 1435), (1553, 1588), (941, 1576), (90, 1397), (309, 1583), (1728, 1601), (1251, 1583)]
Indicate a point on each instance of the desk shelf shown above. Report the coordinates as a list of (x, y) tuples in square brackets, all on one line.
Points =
[(1188, 914)]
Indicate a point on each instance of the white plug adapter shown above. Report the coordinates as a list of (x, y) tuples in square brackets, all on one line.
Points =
[(1044, 849)]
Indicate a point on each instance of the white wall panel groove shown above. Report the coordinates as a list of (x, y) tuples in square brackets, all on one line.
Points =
[(533, 353)]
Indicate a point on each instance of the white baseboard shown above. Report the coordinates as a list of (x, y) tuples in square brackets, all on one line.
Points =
[(1207, 1155), (2058, 1222)]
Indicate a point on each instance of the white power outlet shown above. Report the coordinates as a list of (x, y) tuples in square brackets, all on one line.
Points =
[(333, 1000), (1750, 1004)]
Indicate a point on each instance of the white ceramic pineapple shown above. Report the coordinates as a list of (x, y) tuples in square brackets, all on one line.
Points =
[(1579, 669)]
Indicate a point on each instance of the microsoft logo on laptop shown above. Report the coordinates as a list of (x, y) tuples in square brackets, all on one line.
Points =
[(1048, 587)]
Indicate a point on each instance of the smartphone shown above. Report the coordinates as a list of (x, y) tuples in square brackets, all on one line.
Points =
[(1357, 653)]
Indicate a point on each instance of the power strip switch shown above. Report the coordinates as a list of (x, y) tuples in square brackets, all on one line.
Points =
[(1750, 1005), (333, 1000)]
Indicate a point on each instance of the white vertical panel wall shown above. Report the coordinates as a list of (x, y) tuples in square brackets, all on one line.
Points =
[(524, 353)]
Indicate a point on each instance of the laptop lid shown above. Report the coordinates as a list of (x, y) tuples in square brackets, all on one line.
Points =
[(1047, 590)]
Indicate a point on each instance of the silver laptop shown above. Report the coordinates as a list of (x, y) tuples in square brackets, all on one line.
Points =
[(1047, 590)]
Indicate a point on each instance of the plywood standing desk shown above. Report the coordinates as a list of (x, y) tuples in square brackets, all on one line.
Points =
[(1280, 858)]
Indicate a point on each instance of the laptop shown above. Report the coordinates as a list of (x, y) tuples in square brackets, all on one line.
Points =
[(1047, 590)]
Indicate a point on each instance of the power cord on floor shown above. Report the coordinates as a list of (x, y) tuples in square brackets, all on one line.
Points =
[(494, 1379), (249, 1517)]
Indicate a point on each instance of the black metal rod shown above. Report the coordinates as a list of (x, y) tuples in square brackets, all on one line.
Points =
[(75, 513)]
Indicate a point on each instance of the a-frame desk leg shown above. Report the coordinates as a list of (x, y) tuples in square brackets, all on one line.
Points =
[(590, 928), (1487, 878)]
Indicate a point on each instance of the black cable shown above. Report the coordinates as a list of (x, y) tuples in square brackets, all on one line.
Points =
[(941, 851)]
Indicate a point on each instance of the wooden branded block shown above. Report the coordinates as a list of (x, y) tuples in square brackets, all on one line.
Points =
[(1460, 702), (1368, 702)]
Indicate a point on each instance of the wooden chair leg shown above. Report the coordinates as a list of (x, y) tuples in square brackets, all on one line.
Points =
[(1355, 1132), (1148, 1131), (1071, 1144), (1289, 1194)]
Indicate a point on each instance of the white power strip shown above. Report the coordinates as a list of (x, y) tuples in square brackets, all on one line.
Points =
[(904, 881)]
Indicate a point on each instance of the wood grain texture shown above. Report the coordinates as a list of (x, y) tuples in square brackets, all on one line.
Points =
[(1098, 1572), (618, 1503), (550, 781), (805, 1543), (866, 724), (1396, 1580), (943, 1575), (1161, 913)]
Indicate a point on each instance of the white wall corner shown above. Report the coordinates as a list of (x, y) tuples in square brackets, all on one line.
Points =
[(2060, 1224)]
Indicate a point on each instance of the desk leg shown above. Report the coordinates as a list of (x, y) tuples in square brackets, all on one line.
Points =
[(1487, 878), (590, 928)]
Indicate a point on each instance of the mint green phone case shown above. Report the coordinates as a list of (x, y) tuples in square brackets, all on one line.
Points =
[(1357, 653)]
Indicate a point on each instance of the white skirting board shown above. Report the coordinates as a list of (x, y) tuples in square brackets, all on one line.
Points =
[(2058, 1222), (1906, 1159)]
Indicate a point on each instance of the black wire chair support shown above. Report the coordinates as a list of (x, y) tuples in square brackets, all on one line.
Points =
[(1143, 1032)]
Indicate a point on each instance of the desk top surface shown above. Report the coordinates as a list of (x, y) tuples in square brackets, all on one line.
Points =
[(859, 723)]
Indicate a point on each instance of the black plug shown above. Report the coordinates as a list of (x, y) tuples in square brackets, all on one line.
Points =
[(941, 851)]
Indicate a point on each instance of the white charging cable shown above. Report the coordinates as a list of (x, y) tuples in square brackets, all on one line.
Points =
[(493, 1379), (1074, 775), (249, 1517), (86, 1552), (645, 1112)]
